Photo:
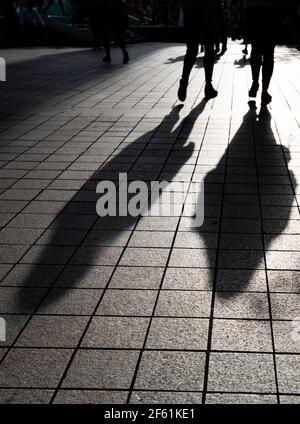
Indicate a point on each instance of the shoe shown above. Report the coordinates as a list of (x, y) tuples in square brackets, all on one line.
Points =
[(126, 58), (254, 89), (210, 92), (266, 98), (183, 84), (106, 59)]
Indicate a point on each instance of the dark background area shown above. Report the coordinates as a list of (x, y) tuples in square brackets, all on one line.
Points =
[(67, 22)]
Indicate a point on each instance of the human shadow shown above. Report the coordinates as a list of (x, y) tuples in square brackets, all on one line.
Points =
[(142, 160), (253, 210)]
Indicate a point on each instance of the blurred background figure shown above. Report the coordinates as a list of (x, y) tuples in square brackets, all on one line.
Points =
[(263, 18), (32, 24), (202, 23), (222, 30), (114, 21), (10, 26)]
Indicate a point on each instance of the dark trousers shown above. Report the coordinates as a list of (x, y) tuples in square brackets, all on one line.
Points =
[(191, 56), (119, 38), (262, 57), (262, 26)]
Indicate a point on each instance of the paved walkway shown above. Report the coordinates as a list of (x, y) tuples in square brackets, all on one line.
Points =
[(149, 309)]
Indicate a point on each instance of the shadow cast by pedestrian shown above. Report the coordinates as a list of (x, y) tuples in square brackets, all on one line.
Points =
[(78, 237), (245, 219)]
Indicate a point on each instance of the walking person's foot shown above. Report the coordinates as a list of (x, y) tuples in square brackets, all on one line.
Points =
[(106, 59), (125, 58), (183, 84), (254, 89), (266, 98), (209, 91)]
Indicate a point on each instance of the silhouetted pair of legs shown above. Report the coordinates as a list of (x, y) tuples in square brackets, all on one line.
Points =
[(120, 40), (189, 62), (262, 58), (262, 23)]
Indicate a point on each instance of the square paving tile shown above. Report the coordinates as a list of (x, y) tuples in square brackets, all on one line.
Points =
[(70, 301), (242, 305), (285, 306), (184, 304), (76, 276), (144, 257), (101, 369), (178, 333), (287, 336), (53, 331), (20, 301), (10, 254), (165, 398), (241, 372), (240, 399), (188, 279), (283, 260), (288, 372), (33, 368), (97, 256), (242, 335), (241, 280), (90, 397), (32, 276), (48, 255), (137, 277), (25, 396), (193, 258), (154, 239), (290, 400), (284, 281), (116, 332), (160, 370), (107, 238), (128, 302)]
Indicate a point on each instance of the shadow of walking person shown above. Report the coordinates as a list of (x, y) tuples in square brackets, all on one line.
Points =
[(255, 207), (86, 247)]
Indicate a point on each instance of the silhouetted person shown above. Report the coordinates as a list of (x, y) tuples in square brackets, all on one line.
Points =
[(114, 22), (11, 21), (263, 19), (95, 17), (32, 22), (202, 21)]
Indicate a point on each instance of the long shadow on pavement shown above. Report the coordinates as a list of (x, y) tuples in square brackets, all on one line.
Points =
[(249, 222), (94, 238)]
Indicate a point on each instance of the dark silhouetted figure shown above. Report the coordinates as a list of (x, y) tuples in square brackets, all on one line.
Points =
[(263, 19), (114, 22), (202, 23), (32, 22)]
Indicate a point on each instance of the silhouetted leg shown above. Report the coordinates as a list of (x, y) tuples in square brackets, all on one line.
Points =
[(190, 59), (120, 38), (209, 62), (189, 62), (106, 43), (267, 72), (256, 63)]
